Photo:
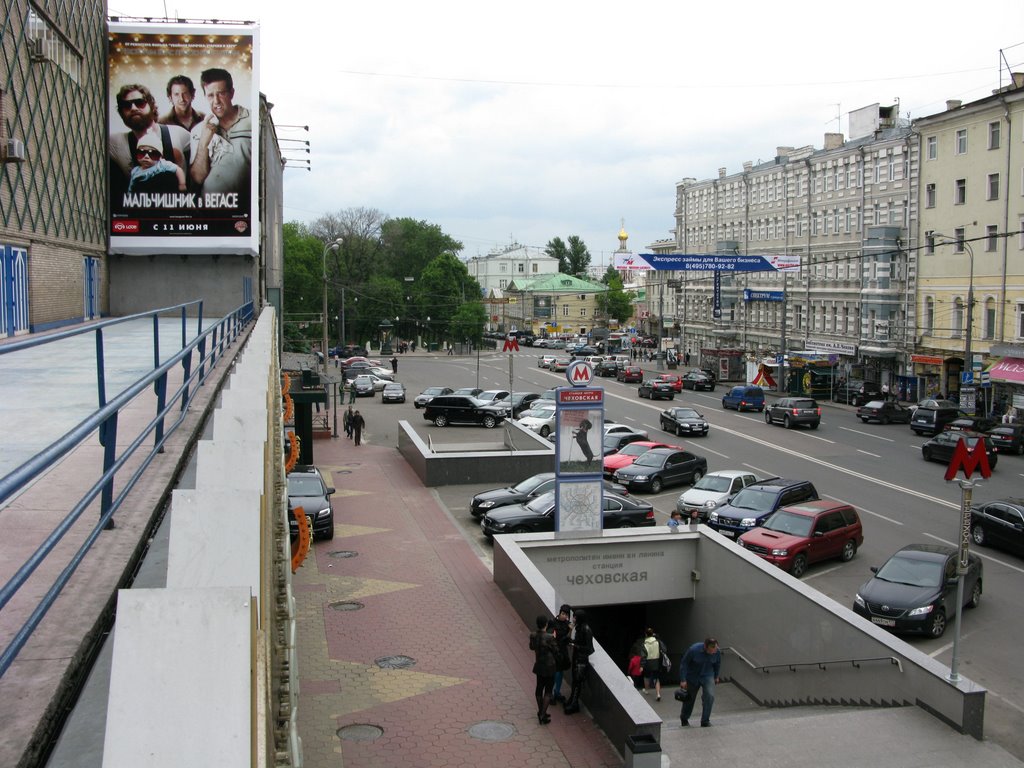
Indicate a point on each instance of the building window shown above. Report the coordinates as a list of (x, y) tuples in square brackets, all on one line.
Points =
[(583, 311), (929, 196), (503, 267), (929, 315), (53, 47), (931, 148), (990, 237), (958, 318), (799, 225), (958, 235), (960, 192), (993, 186), (502, 284), (798, 314), (880, 170), (565, 310), (929, 242), (993, 135), (961, 141), (988, 319), (839, 177), (1020, 321), (522, 268), (892, 167)]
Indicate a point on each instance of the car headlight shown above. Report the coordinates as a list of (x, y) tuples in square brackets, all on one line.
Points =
[(710, 504), (324, 512), (922, 611), (640, 478), (748, 522), (780, 552), (713, 517), (486, 504), (497, 526), (858, 600)]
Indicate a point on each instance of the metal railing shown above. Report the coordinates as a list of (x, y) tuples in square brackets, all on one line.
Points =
[(208, 346), (820, 665)]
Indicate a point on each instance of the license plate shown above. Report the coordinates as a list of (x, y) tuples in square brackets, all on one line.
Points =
[(883, 622), (730, 534)]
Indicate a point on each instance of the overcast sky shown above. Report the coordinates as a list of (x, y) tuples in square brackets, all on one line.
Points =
[(531, 120)]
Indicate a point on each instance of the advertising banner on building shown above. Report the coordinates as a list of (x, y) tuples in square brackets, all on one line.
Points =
[(184, 138), (707, 262)]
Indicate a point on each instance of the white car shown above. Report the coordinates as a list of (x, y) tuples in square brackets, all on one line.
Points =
[(382, 373), (542, 343), (612, 428), (544, 361), (712, 491), (540, 419)]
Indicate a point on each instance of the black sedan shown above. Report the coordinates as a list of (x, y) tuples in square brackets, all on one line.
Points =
[(615, 442), (656, 389), (999, 524), (884, 412), (941, 447), (972, 423), (1008, 438), (698, 380), (915, 591), (684, 421), (660, 467), (523, 491), (539, 515)]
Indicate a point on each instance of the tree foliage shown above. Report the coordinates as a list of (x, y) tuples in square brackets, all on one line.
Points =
[(556, 249), (615, 303), (573, 257)]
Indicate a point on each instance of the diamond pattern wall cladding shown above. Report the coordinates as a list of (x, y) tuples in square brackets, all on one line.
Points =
[(59, 191)]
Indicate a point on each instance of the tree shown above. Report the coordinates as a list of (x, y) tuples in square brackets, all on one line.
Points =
[(444, 286), (408, 246), (579, 257), (556, 249), (468, 322), (615, 303)]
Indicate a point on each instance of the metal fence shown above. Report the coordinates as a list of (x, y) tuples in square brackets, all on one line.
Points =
[(196, 359)]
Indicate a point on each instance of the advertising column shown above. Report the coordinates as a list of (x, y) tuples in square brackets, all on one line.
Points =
[(579, 424)]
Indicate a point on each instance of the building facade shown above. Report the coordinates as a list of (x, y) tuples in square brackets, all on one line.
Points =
[(847, 210), (970, 299), (553, 304), (500, 267), (53, 175)]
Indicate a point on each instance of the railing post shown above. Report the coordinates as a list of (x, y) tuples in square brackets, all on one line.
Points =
[(109, 456), (101, 383), (161, 401), (186, 367)]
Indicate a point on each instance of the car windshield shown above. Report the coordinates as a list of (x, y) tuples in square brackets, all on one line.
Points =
[(787, 522), (713, 483), (686, 413), (541, 504), (433, 390), (650, 459), (911, 570), (755, 499), (540, 412), (527, 485), (634, 449), (875, 404), (304, 485)]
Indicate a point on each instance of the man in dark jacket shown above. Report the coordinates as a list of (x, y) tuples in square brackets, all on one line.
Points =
[(545, 648), (357, 426), (582, 647), (700, 668), (563, 630)]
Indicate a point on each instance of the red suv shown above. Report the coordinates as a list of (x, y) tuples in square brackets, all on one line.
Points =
[(675, 381), (801, 534)]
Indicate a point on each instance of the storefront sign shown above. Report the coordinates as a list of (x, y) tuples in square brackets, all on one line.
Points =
[(832, 347)]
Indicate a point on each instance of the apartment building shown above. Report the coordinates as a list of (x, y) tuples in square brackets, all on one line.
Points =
[(501, 266), (970, 298), (847, 210)]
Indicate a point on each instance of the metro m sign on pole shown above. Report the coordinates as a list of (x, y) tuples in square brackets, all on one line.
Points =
[(510, 345), (968, 460)]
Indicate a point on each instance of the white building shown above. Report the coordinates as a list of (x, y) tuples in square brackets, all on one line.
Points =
[(500, 267)]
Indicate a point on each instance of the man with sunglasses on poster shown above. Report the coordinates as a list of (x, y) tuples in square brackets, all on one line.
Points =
[(136, 106)]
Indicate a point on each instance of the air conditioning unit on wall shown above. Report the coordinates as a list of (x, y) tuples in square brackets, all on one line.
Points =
[(40, 50), (14, 151)]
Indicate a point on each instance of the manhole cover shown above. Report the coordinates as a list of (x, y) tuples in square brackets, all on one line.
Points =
[(491, 730), (395, 662), (347, 606), (360, 732), (341, 553)]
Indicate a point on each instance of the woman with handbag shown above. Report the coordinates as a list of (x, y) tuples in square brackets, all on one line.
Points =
[(543, 644)]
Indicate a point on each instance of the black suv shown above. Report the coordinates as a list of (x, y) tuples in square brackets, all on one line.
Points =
[(307, 489), (793, 412), (930, 420), (753, 504), (856, 392), (462, 409), (607, 368)]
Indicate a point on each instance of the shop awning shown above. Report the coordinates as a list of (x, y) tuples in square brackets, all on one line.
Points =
[(1008, 369)]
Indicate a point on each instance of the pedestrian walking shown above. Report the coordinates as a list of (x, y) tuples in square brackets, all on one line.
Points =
[(653, 651), (545, 648), (347, 421), (394, 364), (563, 636), (699, 670), (582, 648), (358, 423), (352, 391), (451, 349), (635, 667)]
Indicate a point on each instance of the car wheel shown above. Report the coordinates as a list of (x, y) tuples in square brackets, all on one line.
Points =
[(799, 567), (786, 422), (978, 534), (679, 430), (545, 431), (937, 626), (656, 485), (849, 550), (440, 420), (723, 403), (1020, 449), (814, 425), (767, 417), (626, 524), (927, 454), (975, 600), (490, 422), (864, 419), (520, 529), (697, 475)]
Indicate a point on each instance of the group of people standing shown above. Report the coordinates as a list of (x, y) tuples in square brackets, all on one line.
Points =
[(354, 424), (566, 642)]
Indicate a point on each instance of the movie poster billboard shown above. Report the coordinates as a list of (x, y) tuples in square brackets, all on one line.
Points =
[(184, 138)]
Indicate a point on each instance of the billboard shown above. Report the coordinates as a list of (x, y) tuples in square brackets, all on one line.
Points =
[(183, 111), (707, 262)]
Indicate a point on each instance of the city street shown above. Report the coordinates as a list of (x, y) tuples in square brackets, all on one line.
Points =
[(878, 469)]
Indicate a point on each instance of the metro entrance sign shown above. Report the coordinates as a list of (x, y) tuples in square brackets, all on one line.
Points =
[(707, 262)]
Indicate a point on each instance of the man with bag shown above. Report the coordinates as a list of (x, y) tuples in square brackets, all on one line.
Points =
[(699, 669), (655, 658)]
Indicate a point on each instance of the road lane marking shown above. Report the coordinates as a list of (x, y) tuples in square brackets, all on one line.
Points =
[(865, 511), (868, 434), (995, 560), (860, 450)]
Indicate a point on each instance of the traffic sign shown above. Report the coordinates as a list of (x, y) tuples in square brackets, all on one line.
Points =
[(510, 345), (966, 377), (580, 373)]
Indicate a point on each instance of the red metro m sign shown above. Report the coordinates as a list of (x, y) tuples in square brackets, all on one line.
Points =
[(968, 460), (510, 345)]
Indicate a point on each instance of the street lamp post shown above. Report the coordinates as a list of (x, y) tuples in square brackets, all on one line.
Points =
[(333, 246), (969, 321)]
